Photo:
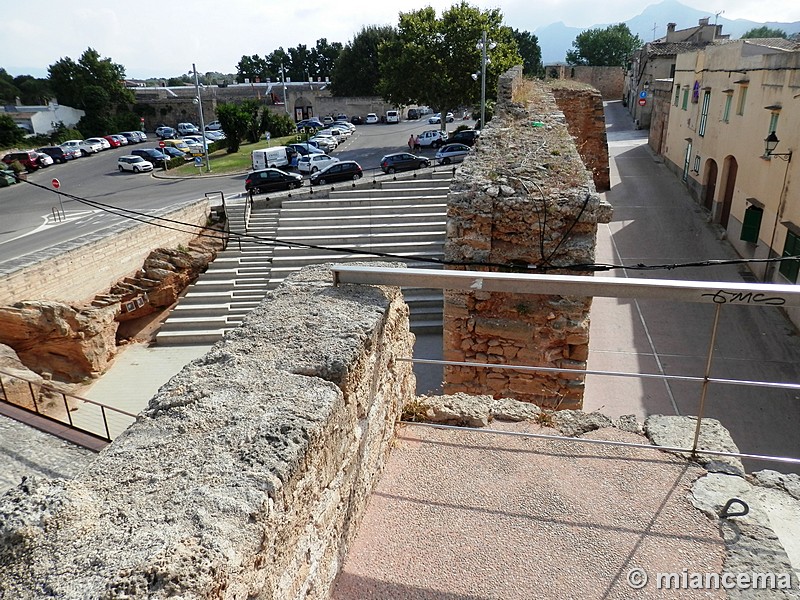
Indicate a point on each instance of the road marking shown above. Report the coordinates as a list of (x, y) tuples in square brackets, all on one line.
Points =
[(49, 221)]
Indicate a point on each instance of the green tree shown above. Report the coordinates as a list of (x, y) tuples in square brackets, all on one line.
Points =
[(323, 57), (10, 134), (9, 92), (528, 46), (430, 60), (32, 90), (764, 32), (277, 124), (356, 72), (252, 68), (234, 123), (94, 85), (609, 47)]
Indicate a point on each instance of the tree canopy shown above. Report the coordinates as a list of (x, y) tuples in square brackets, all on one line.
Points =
[(528, 45), (298, 63), (609, 47), (764, 32), (431, 59), (357, 72), (96, 86)]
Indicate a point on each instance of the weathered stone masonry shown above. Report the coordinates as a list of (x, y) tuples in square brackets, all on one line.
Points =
[(524, 199)]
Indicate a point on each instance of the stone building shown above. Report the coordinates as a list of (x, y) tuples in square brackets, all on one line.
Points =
[(656, 60), (725, 101)]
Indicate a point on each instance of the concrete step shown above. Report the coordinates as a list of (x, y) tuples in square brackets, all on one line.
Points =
[(381, 240), (293, 260), (363, 208), (192, 324), (190, 338), (232, 286), (334, 220), (373, 197), (289, 232)]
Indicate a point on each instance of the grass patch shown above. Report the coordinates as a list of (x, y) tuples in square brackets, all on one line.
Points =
[(237, 162)]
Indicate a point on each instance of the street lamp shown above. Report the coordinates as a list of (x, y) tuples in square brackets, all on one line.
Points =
[(482, 46), (202, 121), (770, 143)]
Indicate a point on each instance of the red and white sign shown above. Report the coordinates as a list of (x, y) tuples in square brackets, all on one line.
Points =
[(55, 183), (161, 144), (642, 101)]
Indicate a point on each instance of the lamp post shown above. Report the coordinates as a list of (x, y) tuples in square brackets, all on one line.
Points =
[(482, 46), (202, 120), (770, 143), (283, 80)]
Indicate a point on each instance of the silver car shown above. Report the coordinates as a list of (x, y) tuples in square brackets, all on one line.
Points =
[(452, 153)]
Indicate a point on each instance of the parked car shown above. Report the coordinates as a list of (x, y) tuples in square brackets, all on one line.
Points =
[(465, 136), (312, 163), (327, 120), (45, 160), (187, 129), (28, 158), (130, 136), (311, 123), (175, 153), (345, 170), (142, 135), (215, 136), (324, 142), (356, 120), (134, 163), (401, 161), (166, 133), (305, 148), (104, 143), (195, 147), (151, 155), (214, 126), (180, 145), (80, 146), (392, 116), (113, 141), (451, 153), (95, 145), (413, 114), (432, 138), (266, 180), (371, 119), (437, 118), (57, 153)]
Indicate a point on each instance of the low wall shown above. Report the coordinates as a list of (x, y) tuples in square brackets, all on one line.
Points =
[(75, 271), (247, 475)]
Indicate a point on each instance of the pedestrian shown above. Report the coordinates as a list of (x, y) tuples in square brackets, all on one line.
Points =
[(411, 142), (416, 143)]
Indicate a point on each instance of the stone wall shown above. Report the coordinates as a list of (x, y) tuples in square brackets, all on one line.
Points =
[(247, 475), (659, 117), (75, 271), (523, 202), (610, 81), (582, 105)]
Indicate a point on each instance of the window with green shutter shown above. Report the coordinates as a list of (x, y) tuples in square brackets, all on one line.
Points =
[(677, 94), (726, 112), (790, 268), (685, 103), (751, 225), (701, 129)]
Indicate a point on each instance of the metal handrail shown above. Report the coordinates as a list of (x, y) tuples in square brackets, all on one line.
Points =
[(105, 435), (716, 293)]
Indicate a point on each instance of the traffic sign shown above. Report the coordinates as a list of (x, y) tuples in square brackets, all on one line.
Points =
[(161, 144), (55, 183), (642, 101), (643, 94), (198, 161)]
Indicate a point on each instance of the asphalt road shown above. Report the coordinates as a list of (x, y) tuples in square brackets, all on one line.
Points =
[(27, 212)]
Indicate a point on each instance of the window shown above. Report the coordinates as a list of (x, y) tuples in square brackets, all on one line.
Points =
[(696, 168), (686, 160), (726, 112), (701, 130), (790, 268), (685, 102), (677, 95), (751, 225), (773, 122), (742, 99)]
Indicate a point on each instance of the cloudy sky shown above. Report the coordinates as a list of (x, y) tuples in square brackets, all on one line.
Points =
[(163, 39)]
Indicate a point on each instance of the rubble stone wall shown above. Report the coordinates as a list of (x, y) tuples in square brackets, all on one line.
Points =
[(248, 473), (524, 202), (75, 271), (582, 105), (610, 81)]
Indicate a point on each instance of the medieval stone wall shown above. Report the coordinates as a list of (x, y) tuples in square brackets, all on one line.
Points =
[(75, 271), (247, 475), (583, 107), (609, 81), (524, 202)]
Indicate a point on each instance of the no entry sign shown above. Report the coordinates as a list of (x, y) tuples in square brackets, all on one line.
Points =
[(55, 183), (642, 101)]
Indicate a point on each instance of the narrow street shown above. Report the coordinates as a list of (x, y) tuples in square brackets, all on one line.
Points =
[(656, 222)]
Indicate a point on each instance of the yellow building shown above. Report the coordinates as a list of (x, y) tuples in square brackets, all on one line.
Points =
[(726, 100)]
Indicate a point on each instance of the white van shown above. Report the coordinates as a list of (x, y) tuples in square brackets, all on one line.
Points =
[(392, 116), (270, 157)]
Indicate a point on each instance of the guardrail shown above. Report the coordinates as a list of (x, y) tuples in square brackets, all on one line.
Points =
[(718, 294), (94, 419)]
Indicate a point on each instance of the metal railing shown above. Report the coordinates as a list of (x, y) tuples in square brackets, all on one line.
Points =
[(93, 420), (718, 294)]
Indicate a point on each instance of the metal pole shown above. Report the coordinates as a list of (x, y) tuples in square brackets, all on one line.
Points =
[(704, 391), (202, 120), (285, 99), (483, 80)]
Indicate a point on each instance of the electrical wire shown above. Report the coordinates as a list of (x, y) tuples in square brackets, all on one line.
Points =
[(206, 231)]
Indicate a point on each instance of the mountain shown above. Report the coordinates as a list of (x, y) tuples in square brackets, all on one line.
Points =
[(555, 39)]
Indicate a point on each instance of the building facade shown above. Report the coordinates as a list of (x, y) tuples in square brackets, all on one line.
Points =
[(41, 120), (725, 101)]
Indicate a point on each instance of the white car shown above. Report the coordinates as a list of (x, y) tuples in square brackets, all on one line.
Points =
[(45, 160), (371, 119), (432, 138), (81, 146), (214, 126), (104, 143), (315, 162), (323, 142), (437, 118), (133, 163)]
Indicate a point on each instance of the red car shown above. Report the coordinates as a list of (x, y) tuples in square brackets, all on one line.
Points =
[(113, 140)]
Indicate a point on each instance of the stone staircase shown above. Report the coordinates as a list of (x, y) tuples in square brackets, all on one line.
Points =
[(401, 217)]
